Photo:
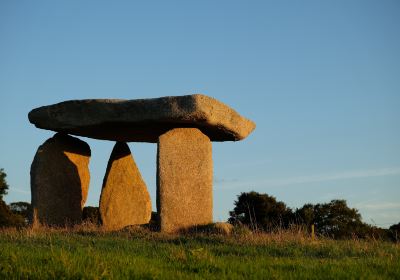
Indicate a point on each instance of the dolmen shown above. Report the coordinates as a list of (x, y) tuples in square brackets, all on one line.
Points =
[(183, 128)]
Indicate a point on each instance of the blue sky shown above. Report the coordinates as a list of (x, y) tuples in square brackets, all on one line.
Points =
[(321, 79)]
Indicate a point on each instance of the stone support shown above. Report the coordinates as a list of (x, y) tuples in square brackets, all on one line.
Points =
[(184, 179), (60, 181), (124, 197)]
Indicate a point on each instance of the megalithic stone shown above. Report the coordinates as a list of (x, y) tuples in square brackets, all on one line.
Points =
[(183, 127), (124, 197), (143, 120), (184, 179), (60, 181)]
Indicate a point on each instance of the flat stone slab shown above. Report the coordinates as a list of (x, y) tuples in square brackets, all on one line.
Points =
[(143, 120)]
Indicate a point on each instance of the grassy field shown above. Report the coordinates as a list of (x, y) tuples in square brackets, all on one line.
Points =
[(85, 253)]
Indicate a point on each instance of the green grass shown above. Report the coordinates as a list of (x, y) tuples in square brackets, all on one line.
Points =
[(141, 254)]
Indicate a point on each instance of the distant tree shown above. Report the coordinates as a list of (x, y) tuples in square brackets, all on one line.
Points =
[(8, 218), (334, 219), (21, 208), (3, 183), (394, 232), (260, 211), (305, 215), (395, 227), (369, 231)]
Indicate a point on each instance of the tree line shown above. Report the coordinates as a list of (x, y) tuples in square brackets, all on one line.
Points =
[(253, 210), (335, 219)]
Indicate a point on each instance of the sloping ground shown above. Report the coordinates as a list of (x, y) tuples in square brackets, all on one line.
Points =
[(146, 255)]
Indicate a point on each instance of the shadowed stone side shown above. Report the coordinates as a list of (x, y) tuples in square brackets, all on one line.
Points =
[(124, 197), (184, 179), (60, 181)]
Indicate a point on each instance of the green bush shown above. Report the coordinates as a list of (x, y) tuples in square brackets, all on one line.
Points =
[(336, 220), (260, 212), (394, 232), (22, 209), (8, 218), (3, 183), (91, 214)]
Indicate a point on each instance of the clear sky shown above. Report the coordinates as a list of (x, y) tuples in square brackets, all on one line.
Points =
[(321, 79)]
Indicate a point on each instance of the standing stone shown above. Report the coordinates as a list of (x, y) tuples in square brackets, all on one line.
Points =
[(60, 181), (184, 179), (124, 197)]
